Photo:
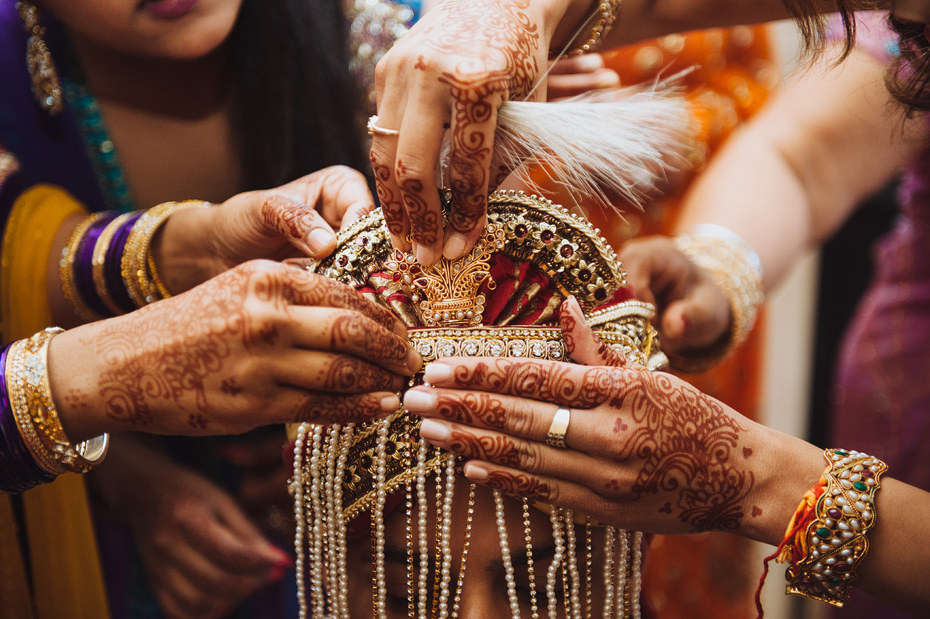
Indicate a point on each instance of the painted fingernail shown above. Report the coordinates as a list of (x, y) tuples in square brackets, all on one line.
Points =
[(455, 246), (433, 430), (319, 239), (414, 361), (474, 472), (390, 403), (437, 373), (417, 401)]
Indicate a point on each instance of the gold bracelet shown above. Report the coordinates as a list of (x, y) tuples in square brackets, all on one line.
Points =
[(35, 413), (138, 267), (606, 13), (735, 268), (66, 270), (99, 263), (835, 541)]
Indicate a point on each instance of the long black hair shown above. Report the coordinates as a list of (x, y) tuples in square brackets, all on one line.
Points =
[(296, 105)]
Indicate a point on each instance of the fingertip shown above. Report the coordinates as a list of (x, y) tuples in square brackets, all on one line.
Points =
[(475, 471), (427, 255), (400, 242), (435, 373), (389, 403), (454, 247), (321, 242)]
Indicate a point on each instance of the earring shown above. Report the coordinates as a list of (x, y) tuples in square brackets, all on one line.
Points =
[(45, 84)]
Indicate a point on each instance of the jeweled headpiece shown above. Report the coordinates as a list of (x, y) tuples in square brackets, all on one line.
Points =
[(501, 300)]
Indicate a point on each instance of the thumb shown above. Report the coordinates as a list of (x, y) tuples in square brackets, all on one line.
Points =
[(695, 322), (300, 223), (581, 342)]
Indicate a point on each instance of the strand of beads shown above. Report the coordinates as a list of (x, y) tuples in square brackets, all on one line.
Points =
[(588, 563), (556, 564), (609, 550), (575, 596), (384, 427), (341, 571), (446, 537), (636, 575), (300, 520), (530, 567), (505, 554), (461, 579), (315, 530), (623, 565), (422, 510)]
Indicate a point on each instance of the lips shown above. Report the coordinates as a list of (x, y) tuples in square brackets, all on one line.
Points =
[(168, 9)]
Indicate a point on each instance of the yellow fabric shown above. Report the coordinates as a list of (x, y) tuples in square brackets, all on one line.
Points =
[(66, 572)]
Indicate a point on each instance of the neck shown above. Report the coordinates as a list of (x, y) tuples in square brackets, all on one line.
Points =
[(184, 88)]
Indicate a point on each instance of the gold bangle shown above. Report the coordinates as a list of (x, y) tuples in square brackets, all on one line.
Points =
[(835, 541), (138, 266), (734, 267), (99, 263), (66, 270), (35, 413), (606, 13)]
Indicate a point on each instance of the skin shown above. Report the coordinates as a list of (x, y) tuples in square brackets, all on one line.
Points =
[(647, 451), (455, 68)]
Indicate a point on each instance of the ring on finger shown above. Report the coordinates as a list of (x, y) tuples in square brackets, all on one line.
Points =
[(374, 129), (558, 428)]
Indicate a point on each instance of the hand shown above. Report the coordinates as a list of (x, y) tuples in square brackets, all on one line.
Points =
[(201, 553), (569, 77), (454, 69), (263, 343), (693, 313), (296, 219)]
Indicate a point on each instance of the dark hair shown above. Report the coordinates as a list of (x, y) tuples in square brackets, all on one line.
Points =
[(296, 105), (811, 23), (908, 79)]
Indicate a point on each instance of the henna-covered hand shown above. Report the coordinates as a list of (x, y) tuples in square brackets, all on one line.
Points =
[(581, 342), (260, 344), (295, 219), (454, 69), (645, 449)]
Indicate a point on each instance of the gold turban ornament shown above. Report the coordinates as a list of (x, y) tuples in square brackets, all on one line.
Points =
[(501, 300)]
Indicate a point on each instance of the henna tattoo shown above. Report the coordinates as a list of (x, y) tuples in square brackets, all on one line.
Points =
[(685, 440), (425, 226), (392, 206), (604, 353), (197, 421), (327, 408), (278, 212), (229, 387), (351, 332), (472, 409), (348, 375), (519, 484), (310, 289), (499, 449)]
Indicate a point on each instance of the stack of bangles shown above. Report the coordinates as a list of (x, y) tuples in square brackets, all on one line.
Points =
[(106, 266), (826, 539), (33, 446)]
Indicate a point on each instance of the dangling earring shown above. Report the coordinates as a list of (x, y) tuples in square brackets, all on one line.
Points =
[(45, 84)]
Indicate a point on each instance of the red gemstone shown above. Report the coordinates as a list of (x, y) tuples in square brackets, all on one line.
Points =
[(363, 240), (547, 236), (415, 269), (600, 294), (584, 275), (520, 231), (403, 266), (342, 260), (567, 251), (396, 277)]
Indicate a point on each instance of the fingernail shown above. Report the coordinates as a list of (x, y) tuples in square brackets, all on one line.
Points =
[(390, 403), (417, 401), (437, 373), (433, 430), (590, 62), (426, 256), (414, 361), (608, 79), (474, 472), (455, 246), (576, 305), (319, 239)]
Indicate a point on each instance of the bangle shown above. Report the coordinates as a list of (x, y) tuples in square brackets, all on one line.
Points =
[(82, 269), (826, 540), (37, 420), (99, 262), (606, 14), (736, 269), (138, 266), (69, 255)]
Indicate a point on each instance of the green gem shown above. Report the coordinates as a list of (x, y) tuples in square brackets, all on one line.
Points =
[(835, 580), (839, 453), (861, 487), (823, 533)]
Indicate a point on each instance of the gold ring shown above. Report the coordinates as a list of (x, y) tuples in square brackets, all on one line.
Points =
[(556, 435), (374, 129)]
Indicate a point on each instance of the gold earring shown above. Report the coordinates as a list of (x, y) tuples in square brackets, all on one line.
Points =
[(45, 84)]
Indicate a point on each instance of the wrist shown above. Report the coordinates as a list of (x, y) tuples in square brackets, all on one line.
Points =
[(181, 257)]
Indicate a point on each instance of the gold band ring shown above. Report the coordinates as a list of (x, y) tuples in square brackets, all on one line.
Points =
[(374, 129), (556, 435)]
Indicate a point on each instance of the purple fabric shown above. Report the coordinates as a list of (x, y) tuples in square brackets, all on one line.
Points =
[(114, 266), (881, 399)]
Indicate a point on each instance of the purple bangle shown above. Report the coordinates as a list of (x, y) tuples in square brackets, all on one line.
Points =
[(84, 264), (114, 265), (18, 469)]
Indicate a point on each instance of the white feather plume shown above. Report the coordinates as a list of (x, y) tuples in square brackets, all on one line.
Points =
[(623, 142)]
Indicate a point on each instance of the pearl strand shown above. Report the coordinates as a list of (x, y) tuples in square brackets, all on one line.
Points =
[(341, 551), (621, 603), (446, 537), (573, 564), (588, 572), (637, 575), (461, 579), (315, 526), (554, 567), (422, 510), (299, 526), (609, 551), (378, 516), (505, 555), (530, 566), (437, 545), (331, 442)]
